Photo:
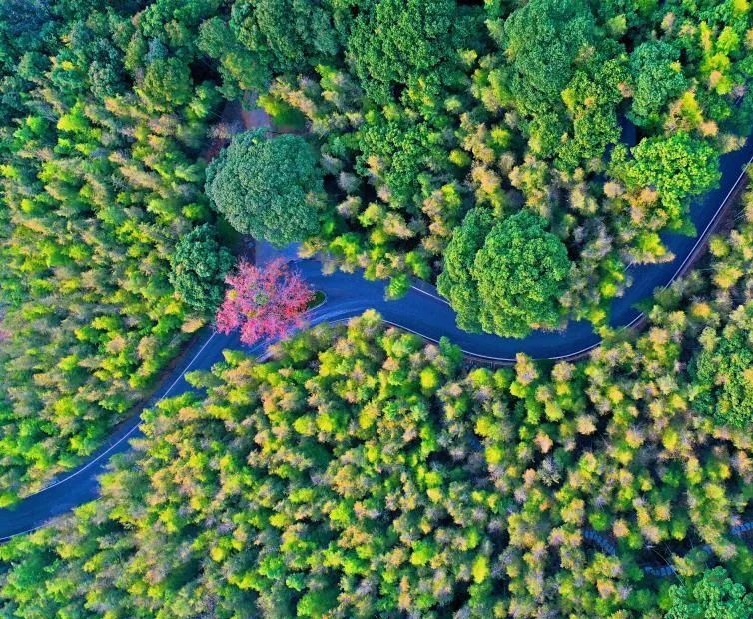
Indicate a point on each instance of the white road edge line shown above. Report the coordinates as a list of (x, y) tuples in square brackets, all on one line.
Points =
[(130, 432), (701, 239), (430, 295), (712, 221)]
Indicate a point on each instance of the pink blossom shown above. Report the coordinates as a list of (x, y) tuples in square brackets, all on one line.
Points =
[(264, 302)]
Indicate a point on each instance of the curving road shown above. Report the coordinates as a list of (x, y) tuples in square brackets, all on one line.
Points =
[(420, 311)]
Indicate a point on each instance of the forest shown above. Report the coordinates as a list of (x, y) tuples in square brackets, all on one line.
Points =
[(443, 149), (101, 175), (518, 154), (361, 472), (598, 120), (467, 144)]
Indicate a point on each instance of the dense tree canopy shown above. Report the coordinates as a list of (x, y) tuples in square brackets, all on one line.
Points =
[(658, 80), (415, 41), (100, 176), (672, 169), (505, 278), (167, 82), (418, 113), (457, 282), (426, 111), (522, 271), (199, 266), (287, 34), (714, 595), (724, 371), (361, 472), (268, 187), (544, 40)]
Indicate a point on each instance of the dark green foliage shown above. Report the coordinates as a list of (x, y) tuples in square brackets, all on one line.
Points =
[(25, 28), (398, 153), (20, 17), (505, 278), (724, 373), (199, 266), (239, 70), (268, 187), (713, 596), (556, 53), (396, 42), (522, 271), (286, 34), (658, 79), (544, 41), (675, 168), (457, 282), (167, 82)]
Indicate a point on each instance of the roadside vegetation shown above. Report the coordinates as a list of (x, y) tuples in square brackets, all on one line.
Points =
[(104, 120), (462, 142)]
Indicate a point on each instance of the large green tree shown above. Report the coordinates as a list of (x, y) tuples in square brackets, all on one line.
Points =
[(713, 596), (675, 167), (522, 271), (268, 187), (167, 82), (657, 77), (398, 154), (286, 35), (505, 278), (414, 37), (199, 265), (456, 282), (544, 41)]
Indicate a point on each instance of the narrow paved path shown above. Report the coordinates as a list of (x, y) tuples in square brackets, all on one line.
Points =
[(420, 311)]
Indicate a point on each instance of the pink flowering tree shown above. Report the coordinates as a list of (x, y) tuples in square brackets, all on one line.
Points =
[(264, 302)]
